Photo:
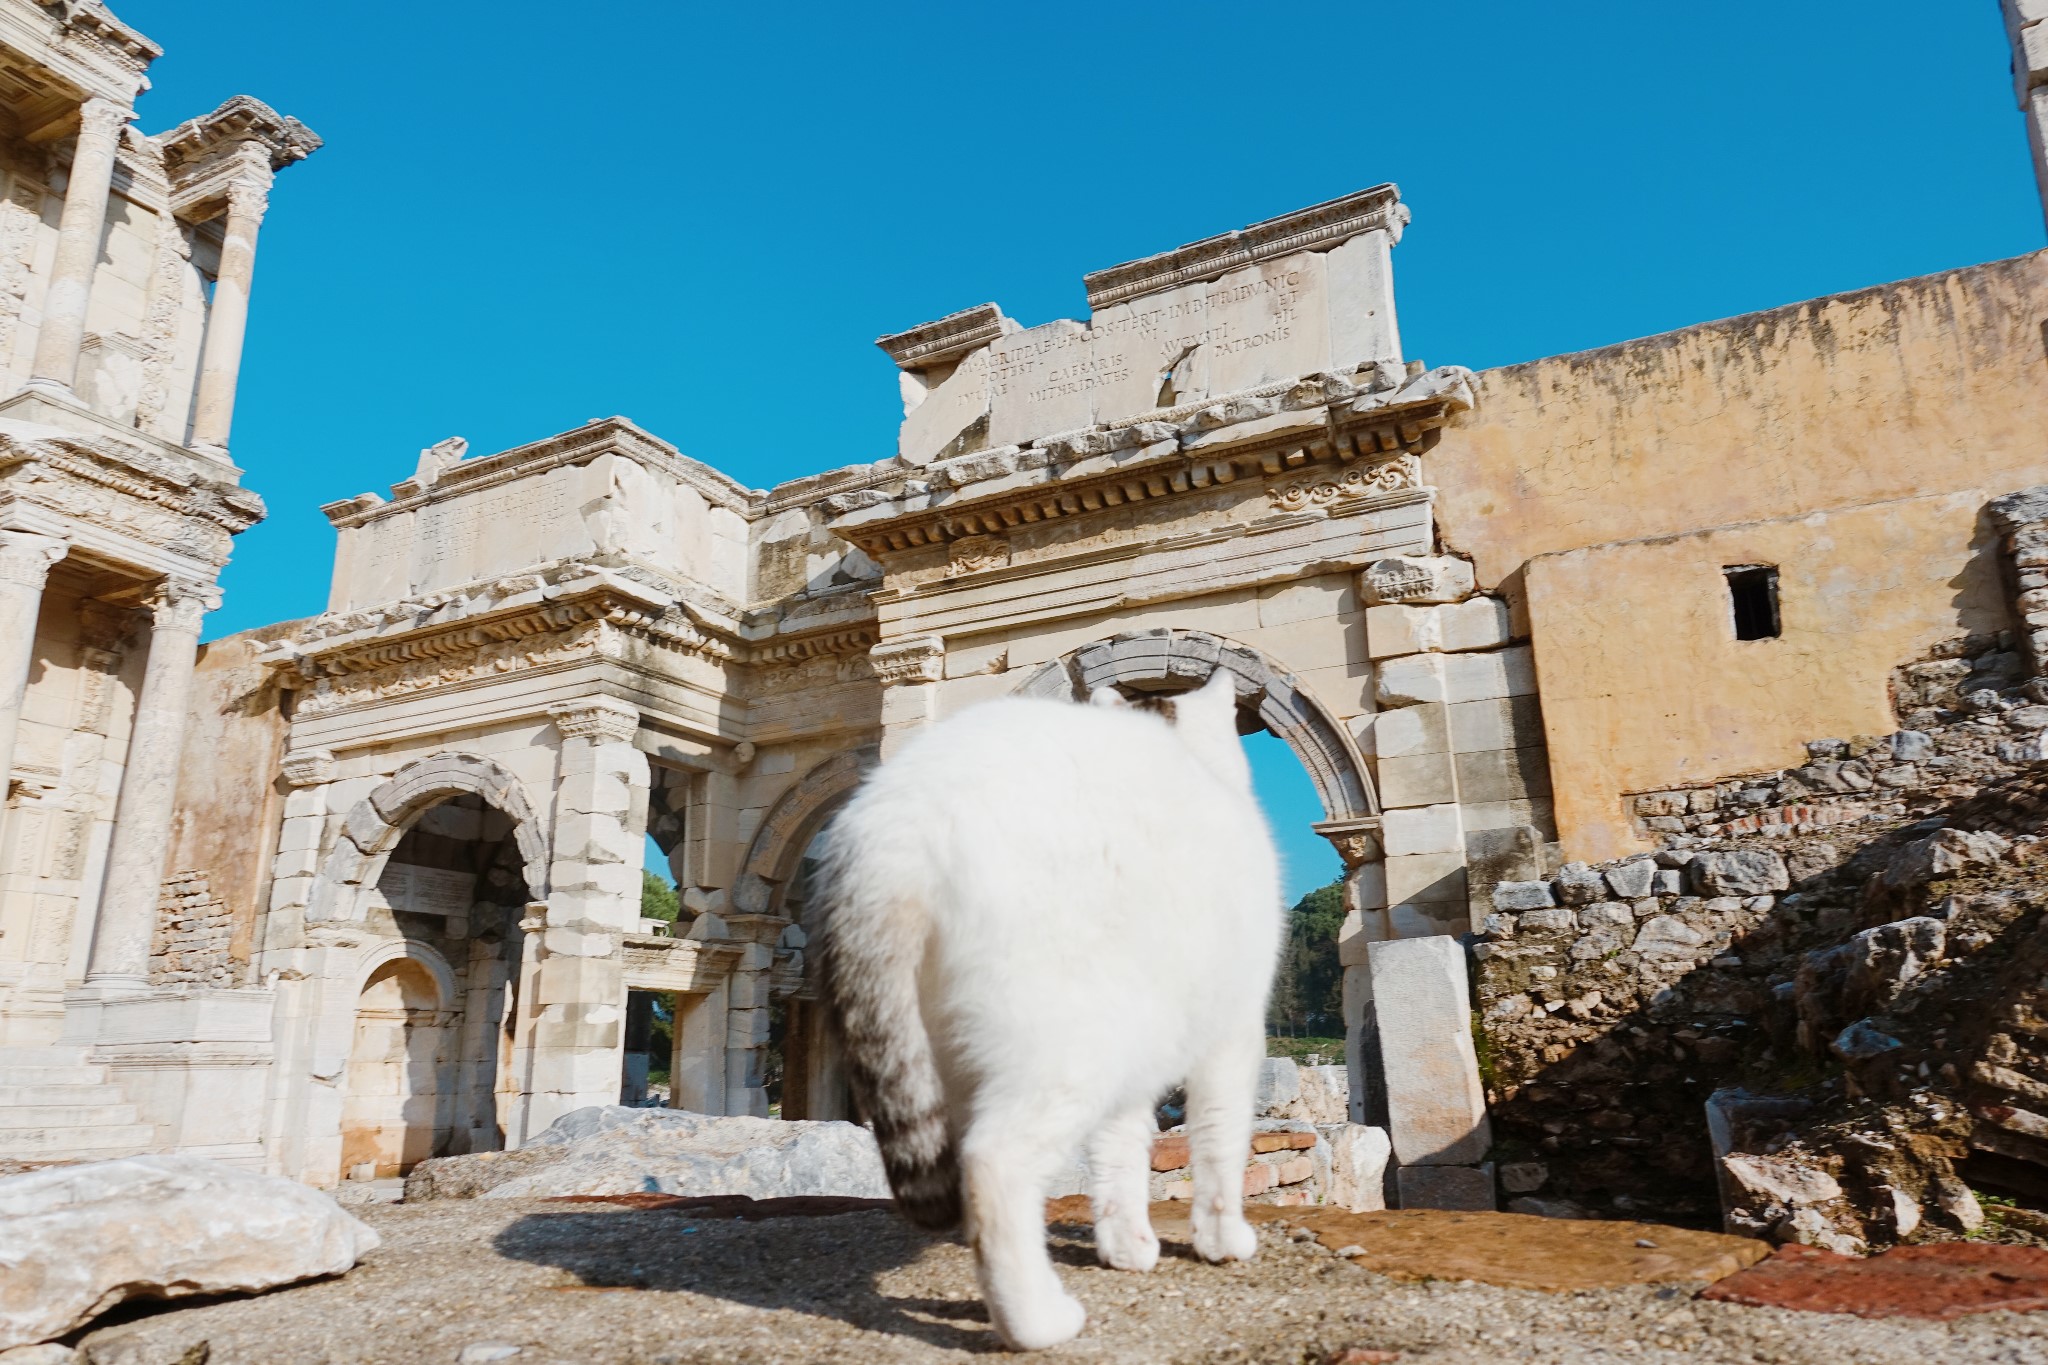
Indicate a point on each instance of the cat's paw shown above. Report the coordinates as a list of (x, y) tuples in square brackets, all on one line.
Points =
[(1225, 1237), (1124, 1244), (1046, 1321)]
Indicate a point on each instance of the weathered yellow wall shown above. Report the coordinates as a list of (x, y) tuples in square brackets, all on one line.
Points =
[(1928, 386), (1645, 685)]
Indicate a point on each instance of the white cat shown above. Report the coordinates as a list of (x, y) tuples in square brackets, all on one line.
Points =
[(1039, 918)]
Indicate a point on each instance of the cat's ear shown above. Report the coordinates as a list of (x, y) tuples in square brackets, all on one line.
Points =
[(1108, 696), (1213, 703)]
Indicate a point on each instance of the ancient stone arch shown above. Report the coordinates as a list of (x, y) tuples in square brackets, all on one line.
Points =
[(377, 822), (1166, 660), (421, 955), (795, 817)]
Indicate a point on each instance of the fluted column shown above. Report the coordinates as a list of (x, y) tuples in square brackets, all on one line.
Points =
[(149, 786), (25, 560), (220, 363), (78, 243)]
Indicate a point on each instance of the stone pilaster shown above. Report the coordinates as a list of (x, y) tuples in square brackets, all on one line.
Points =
[(25, 560), (142, 817), (593, 902), (227, 320), (308, 772), (909, 671), (78, 244)]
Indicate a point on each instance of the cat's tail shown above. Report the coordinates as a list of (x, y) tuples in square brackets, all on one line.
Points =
[(871, 946)]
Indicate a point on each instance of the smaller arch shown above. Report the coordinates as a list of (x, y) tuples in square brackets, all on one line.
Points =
[(423, 955), (797, 814), (376, 823), (1168, 660)]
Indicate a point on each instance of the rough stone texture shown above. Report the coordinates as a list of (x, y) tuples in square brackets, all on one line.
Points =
[(620, 1150), (195, 931), (1445, 1187), (77, 1240), (1436, 1107), (1945, 1281)]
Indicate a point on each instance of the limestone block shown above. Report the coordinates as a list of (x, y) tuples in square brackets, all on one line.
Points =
[(1415, 579), (1496, 723), (1737, 872), (1483, 677), (1429, 919), (947, 413), (1391, 631), (591, 839), (1476, 623), (1537, 813), (1529, 895), (1436, 1106), (1445, 1187), (80, 1239), (1365, 886), (1410, 730), (574, 980), (1041, 381), (1511, 853), (1359, 277), (1413, 679), (1358, 1166), (593, 793), (1503, 774), (1417, 780), (1633, 879), (1424, 829), (1425, 877), (1306, 599)]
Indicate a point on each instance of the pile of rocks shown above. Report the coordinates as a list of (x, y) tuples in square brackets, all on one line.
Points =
[(193, 936), (1852, 936)]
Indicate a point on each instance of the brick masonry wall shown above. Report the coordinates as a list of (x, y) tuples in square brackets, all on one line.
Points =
[(193, 933)]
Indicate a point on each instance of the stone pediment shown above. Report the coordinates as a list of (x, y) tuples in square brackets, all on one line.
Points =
[(1314, 442)]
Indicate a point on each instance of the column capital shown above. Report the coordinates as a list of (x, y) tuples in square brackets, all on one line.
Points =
[(179, 604), (26, 557), (101, 117), (600, 718)]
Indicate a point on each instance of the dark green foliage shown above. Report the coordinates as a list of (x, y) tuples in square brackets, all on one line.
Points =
[(657, 898), (1308, 989)]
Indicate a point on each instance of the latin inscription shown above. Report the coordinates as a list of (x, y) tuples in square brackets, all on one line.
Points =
[(424, 890)]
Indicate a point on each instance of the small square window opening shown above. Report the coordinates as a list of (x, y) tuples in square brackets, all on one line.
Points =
[(1753, 596)]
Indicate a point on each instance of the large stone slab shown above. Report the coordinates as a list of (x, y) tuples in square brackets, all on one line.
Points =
[(77, 1240), (1436, 1106), (1948, 1280), (611, 1150)]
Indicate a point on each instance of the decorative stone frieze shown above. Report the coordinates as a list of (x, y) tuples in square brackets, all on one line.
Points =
[(946, 339), (918, 660), (603, 718)]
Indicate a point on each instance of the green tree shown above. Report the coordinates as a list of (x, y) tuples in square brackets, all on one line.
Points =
[(657, 898), (1308, 988)]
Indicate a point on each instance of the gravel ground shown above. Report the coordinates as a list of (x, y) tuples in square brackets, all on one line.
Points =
[(462, 1283)]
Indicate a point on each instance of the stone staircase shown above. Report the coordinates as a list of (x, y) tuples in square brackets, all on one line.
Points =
[(56, 1104)]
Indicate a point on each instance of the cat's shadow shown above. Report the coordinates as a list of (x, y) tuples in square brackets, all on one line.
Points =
[(829, 1267)]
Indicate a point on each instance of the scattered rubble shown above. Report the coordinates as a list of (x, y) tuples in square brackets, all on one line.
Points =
[(77, 1240), (619, 1149)]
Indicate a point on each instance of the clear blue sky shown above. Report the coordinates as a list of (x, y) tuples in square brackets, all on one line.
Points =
[(530, 215)]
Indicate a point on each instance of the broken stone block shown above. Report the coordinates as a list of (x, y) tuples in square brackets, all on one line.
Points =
[(1884, 959), (1667, 936), (1523, 1177), (1941, 854), (1523, 896), (1668, 881), (1445, 1187), (1861, 1041), (1546, 921), (1737, 872), (1279, 1085), (1633, 879), (77, 1240), (1912, 746), (1358, 1166), (1415, 579), (1436, 1106), (1578, 884), (1777, 1180)]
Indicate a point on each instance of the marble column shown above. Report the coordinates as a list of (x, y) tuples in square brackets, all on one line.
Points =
[(78, 243), (149, 787), (220, 363), (25, 560)]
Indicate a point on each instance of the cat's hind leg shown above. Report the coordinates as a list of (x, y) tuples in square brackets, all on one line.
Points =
[(1221, 1088), (1120, 1186), (1006, 1162)]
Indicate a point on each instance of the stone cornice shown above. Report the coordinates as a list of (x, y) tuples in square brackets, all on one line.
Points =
[(26, 467), (1319, 226), (231, 153), (610, 435), (88, 35), (948, 338), (1336, 442), (461, 623)]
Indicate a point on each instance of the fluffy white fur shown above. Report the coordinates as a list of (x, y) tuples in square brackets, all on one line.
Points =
[(1041, 918)]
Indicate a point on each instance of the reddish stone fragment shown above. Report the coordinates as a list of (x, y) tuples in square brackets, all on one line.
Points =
[(1281, 1142), (1169, 1152), (1947, 1280), (1257, 1180)]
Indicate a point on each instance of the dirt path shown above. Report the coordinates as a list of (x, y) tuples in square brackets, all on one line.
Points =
[(594, 1284)]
